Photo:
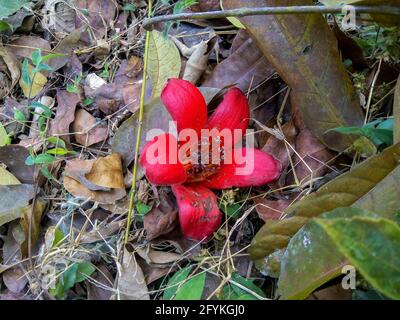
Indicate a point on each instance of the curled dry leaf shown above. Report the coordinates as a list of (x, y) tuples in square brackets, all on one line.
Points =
[(104, 175), (244, 67), (15, 279), (314, 154), (131, 284), (156, 258), (65, 114), (12, 64), (87, 130)]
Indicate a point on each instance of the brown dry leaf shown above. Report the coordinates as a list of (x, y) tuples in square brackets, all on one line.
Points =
[(66, 47), (131, 284), (23, 46), (97, 289), (107, 172), (95, 14), (14, 156), (244, 67), (280, 150), (160, 259), (7, 178), (26, 221), (162, 219), (271, 209), (15, 279), (103, 231), (314, 153), (13, 66), (86, 130), (104, 173), (65, 114), (152, 273), (309, 62)]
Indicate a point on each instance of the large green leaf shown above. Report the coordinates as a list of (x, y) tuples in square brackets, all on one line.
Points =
[(310, 64), (311, 257), (9, 7), (373, 247), (164, 62), (340, 192)]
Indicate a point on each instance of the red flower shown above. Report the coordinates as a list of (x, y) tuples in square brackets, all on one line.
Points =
[(185, 168)]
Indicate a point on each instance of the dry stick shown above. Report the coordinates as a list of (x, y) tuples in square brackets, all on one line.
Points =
[(139, 130), (149, 22)]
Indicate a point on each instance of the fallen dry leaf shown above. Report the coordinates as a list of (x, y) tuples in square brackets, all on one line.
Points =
[(86, 129), (14, 156), (12, 64), (102, 279), (23, 46), (271, 209), (38, 79), (7, 178), (65, 114), (15, 279), (244, 67), (14, 201), (131, 284), (314, 153), (80, 175)]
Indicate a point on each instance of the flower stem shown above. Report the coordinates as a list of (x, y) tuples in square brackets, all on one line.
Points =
[(139, 129)]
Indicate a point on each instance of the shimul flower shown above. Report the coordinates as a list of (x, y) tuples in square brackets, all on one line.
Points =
[(204, 156)]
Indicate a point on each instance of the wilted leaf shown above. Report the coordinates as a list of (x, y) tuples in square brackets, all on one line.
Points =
[(271, 209), (14, 200), (245, 67), (31, 90), (7, 178), (155, 116), (65, 114), (131, 282), (309, 63), (372, 245), (107, 172), (342, 191), (87, 131), (164, 62)]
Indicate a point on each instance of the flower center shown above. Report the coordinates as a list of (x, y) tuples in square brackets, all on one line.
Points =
[(203, 161)]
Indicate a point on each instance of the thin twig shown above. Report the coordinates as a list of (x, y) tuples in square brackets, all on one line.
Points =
[(149, 22)]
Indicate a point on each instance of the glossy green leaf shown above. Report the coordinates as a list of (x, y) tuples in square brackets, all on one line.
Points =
[(234, 292), (179, 287), (362, 182), (4, 137), (372, 245)]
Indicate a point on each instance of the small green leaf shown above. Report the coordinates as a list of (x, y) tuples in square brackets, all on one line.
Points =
[(52, 56), (46, 110), (4, 26), (57, 151), (72, 88), (231, 210), (41, 67), (25, 74), (129, 7), (85, 269), (19, 115), (59, 143), (4, 137), (37, 57), (179, 287), (142, 209), (46, 173), (233, 292), (373, 246), (87, 101), (42, 158)]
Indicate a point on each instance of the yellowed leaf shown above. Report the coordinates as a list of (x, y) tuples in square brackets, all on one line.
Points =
[(39, 81), (7, 178)]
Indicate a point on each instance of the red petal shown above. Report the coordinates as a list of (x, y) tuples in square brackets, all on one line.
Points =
[(159, 158), (185, 103), (198, 211), (262, 168), (232, 113)]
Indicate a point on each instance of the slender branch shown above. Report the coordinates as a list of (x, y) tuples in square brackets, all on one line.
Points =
[(139, 129), (149, 22)]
